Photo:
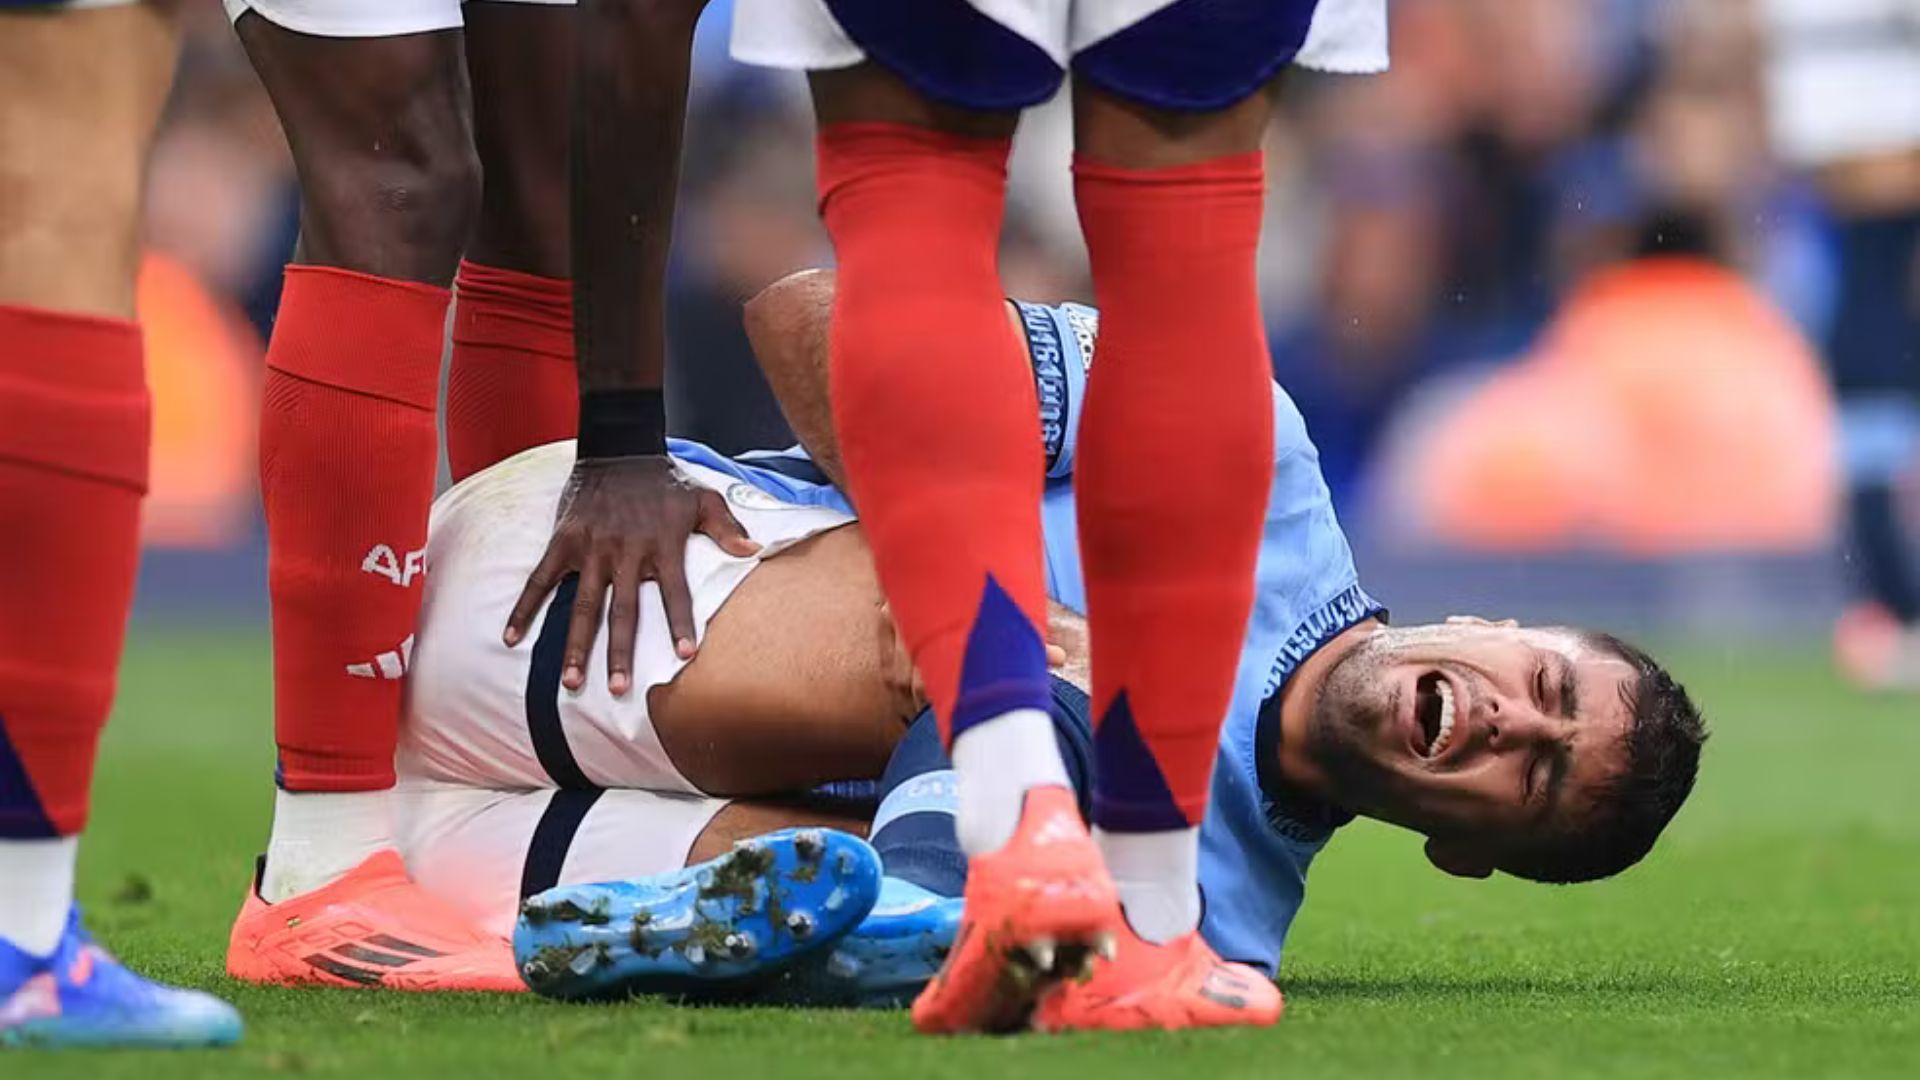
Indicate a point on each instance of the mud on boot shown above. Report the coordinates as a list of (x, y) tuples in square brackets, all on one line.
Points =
[(888, 959)]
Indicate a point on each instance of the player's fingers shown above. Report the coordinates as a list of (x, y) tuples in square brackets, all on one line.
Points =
[(623, 625), (670, 569), (1056, 656), (539, 586), (583, 625), (723, 528)]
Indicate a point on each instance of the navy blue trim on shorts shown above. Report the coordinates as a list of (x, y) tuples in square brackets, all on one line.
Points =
[(950, 52), (553, 838), (543, 693), (1199, 55)]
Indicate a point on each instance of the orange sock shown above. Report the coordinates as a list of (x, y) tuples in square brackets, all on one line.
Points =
[(1175, 460), (74, 423), (937, 415), (512, 383), (347, 459)]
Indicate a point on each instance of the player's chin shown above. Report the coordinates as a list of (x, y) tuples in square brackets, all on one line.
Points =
[(1392, 789), (1390, 760)]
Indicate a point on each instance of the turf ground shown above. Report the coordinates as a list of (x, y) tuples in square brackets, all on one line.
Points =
[(1776, 931)]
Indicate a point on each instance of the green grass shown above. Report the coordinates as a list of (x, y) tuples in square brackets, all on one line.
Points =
[(1776, 931)]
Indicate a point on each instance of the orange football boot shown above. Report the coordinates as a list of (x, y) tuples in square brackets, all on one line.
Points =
[(1037, 911), (372, 928), (1182, 984)]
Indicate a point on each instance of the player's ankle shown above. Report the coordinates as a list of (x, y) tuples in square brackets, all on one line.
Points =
[(38, 892), (319, 837), (998, 762), (1156, 875)]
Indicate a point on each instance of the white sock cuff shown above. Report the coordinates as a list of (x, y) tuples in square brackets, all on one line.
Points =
[(1158, 877), (36, 891), (998, 761), (318, 836)]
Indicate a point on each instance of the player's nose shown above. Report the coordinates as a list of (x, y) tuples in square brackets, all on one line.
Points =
[(1513, 727)]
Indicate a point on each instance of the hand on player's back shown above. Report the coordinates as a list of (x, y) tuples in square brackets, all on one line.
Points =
[(623, 521)]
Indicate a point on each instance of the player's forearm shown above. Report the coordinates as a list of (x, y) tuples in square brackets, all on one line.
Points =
[(1067, 630), (628, 117), (787, 325)]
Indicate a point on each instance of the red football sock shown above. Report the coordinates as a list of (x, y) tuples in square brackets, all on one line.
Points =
[(74, 423), (1175, 459), (347, 457), (938, 418), (512, 383)]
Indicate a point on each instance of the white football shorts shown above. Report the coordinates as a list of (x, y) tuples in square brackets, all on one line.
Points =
[(361, 18), (482, 715), (485, 851), (1010, 54)]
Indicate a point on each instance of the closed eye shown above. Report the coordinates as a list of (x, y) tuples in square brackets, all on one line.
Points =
[(1569, 691), (1543, 773), (1554, 763)]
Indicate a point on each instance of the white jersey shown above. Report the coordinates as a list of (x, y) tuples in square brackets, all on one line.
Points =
[(482, 715)]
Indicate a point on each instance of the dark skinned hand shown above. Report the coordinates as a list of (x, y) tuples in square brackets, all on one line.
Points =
[(624, 521)]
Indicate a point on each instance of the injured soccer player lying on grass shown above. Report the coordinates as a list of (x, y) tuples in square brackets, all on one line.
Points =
[(1550, 753)]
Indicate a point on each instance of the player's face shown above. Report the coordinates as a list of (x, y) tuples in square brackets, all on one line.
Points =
[(1473, 733)]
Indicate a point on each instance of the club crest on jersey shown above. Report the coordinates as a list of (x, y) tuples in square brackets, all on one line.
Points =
[(747, 497), (384, 562)]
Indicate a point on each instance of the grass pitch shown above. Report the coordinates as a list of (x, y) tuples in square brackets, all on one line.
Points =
[(1776, 931)]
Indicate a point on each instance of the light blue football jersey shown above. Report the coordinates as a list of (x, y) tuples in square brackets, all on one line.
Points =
[(1257, 841)]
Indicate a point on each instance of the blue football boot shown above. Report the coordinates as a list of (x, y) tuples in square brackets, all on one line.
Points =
[(81, 996), (718, 931), (887, 960)]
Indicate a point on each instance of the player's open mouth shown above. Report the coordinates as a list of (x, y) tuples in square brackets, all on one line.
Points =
[(1433, 715)]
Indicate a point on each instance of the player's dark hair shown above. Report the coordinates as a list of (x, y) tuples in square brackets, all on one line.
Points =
[(1663, 757)]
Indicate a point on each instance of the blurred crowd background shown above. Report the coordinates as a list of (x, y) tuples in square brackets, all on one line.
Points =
[(1552, 295)]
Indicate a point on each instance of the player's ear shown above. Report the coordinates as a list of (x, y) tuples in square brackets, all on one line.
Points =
[(1475, 620), (1458, 860)]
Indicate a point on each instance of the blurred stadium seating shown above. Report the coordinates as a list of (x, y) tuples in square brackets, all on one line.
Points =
[(1543, 293)]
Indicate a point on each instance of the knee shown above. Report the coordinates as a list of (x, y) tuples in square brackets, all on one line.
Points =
[(430, 203), (69, 236), (401, 205)]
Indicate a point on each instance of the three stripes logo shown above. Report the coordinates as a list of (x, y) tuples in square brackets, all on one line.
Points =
[(1058, 829), (1223, 987), (388, 665), (37, 999), (380, 954), (401, 570)]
